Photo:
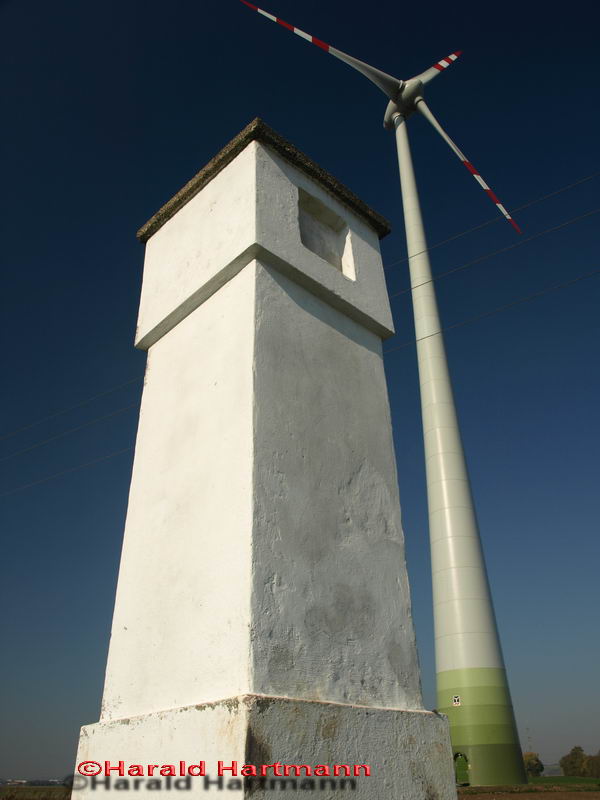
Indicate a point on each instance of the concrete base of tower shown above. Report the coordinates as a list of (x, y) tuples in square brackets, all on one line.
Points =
[(323, 747)]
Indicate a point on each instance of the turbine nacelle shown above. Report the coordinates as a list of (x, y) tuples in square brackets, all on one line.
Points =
[(405, 103)]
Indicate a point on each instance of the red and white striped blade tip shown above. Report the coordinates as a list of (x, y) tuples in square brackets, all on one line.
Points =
[(387, 83), (445, 62), (432, 72), (297, 31), (490, 193)]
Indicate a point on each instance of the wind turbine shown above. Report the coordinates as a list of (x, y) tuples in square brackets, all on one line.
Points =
[(471, 676)]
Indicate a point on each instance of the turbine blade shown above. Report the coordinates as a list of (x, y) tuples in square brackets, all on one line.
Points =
[(424, 109), (434, 71), (387, 83)]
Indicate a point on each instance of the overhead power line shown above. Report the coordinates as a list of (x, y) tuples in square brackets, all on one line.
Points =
[(492, 253), (493, 311), (70, 408), (461, 267), (505, 307), (66, 471), (66, 433), (497, 218)]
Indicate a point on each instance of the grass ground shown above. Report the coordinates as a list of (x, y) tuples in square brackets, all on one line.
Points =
[(559, 788), (556, 785), (559, 780), (539, 788), (35, 792), (577, 792)]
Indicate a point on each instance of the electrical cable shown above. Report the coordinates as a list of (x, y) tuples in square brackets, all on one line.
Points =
[(70, 408), (516, 302), (390, 350), (485, 256), (66, 433), (66, 471), (496, 218)]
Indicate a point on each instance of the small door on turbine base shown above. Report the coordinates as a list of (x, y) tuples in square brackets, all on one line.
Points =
[(461, 769)]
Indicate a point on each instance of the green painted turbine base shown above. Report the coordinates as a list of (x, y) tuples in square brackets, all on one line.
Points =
[(493, 764), (482, 724)]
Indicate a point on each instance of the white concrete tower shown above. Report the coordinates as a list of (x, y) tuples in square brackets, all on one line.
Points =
[(263, 609)]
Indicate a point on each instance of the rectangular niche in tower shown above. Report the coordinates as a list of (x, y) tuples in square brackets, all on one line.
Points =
[(325, 234)]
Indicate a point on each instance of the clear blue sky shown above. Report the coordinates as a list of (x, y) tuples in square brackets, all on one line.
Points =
[(108, 109)]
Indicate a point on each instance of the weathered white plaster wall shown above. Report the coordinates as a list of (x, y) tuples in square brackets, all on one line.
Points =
[(406, 750), (180, 631), (199, 249), (211, 732), (263, 549), (365, 299), (250, 210), (331, 612)]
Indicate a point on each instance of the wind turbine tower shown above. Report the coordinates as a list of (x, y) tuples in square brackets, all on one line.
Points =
[(472, 683)]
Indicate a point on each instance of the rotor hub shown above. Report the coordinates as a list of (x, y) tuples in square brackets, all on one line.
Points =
[(405, 103)]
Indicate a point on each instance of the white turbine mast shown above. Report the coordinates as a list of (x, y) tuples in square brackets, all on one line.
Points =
[(471, 677)]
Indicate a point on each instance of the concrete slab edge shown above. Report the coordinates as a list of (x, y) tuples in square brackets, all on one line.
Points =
[(260, 131), (259, 253)]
